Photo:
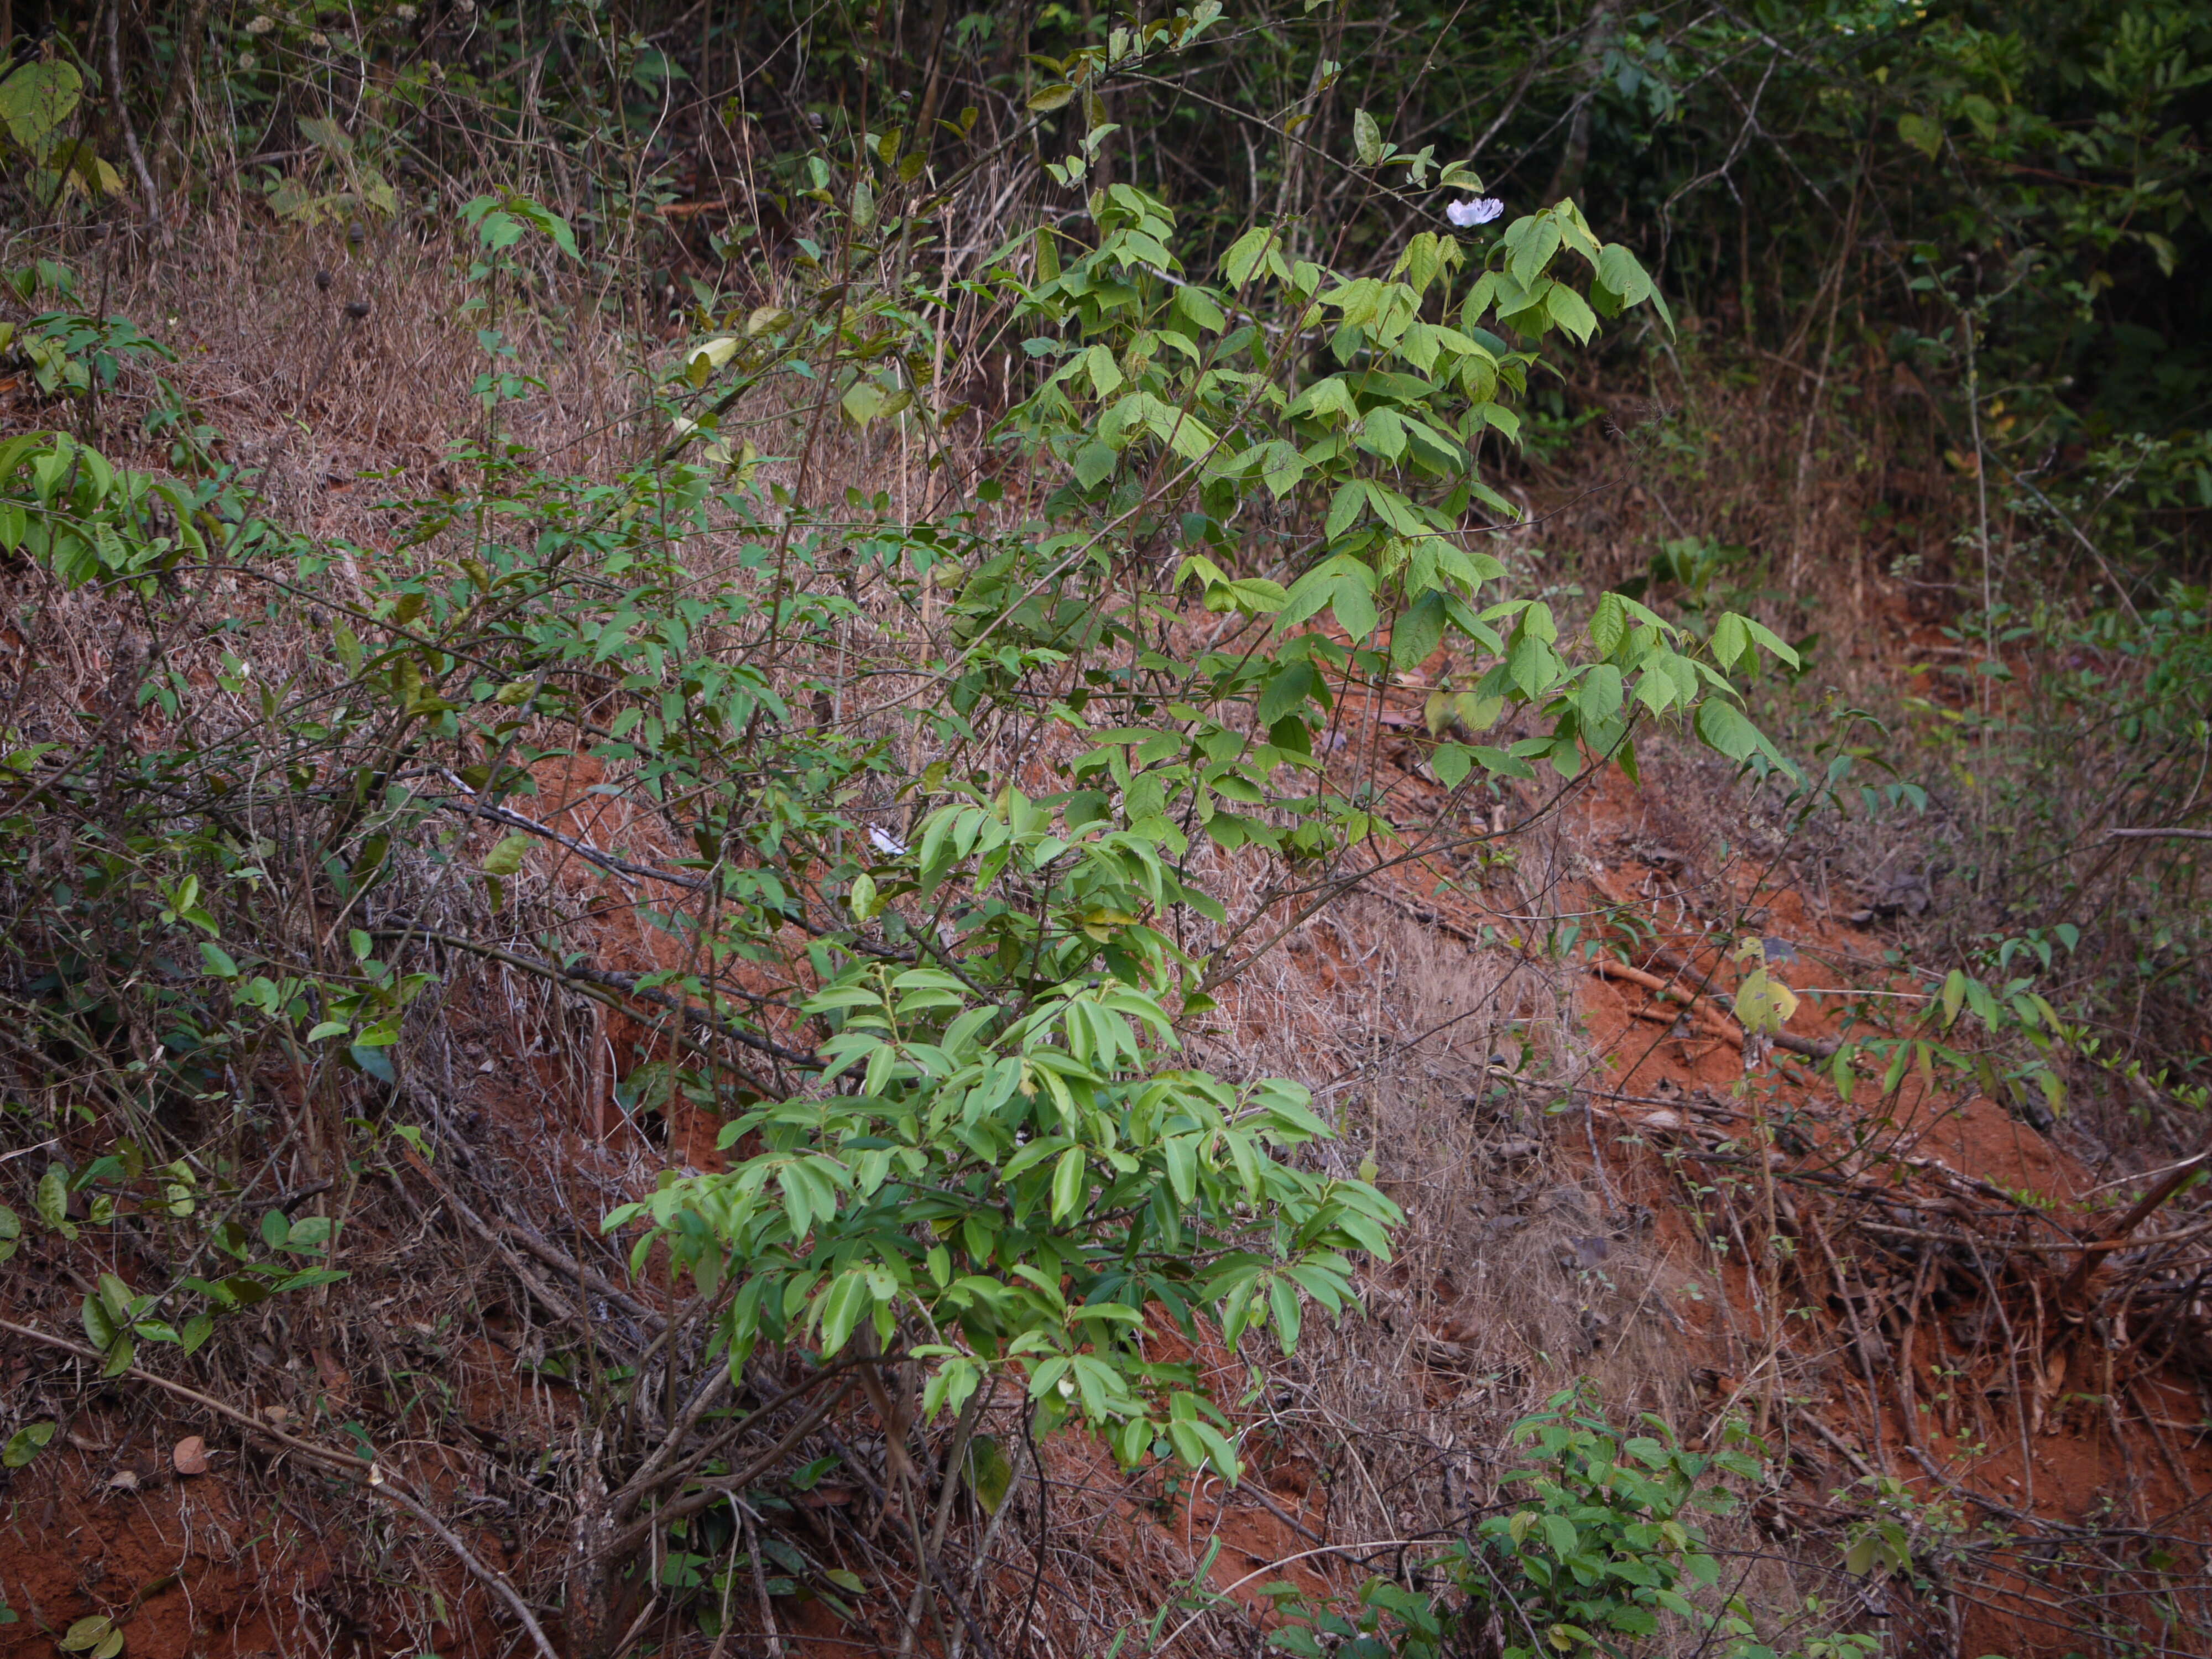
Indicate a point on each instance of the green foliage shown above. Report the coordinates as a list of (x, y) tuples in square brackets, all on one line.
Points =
[(1007, 1158), (69, 353), (343, 180), (63, 505), (1166, 413), (1034, 1184), (1600, 1553), (996, 1163), (1271, 431)]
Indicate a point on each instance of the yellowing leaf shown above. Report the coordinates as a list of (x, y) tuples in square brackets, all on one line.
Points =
[(706, 359), (506, 859), (1099, 922), (89, 1634), (37, 99), (1367, 139), (1763, 1004)]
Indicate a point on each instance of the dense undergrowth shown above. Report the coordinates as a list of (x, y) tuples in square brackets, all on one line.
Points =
[(691, 814)]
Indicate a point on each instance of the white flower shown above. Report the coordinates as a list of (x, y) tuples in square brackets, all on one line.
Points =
[(1475, 210), (884, 841), (261, 26), (246, 62), (404, 13), (319, 40)]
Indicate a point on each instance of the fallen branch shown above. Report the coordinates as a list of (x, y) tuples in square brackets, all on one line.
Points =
[(1710, 991), (1693, 1002), (381, 1485)]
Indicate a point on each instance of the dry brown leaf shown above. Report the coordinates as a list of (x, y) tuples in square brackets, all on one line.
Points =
[(190, 1455), (333, 1373)]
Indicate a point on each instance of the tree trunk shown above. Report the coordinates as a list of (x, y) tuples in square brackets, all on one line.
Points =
[(1597, 41), (180, 78)]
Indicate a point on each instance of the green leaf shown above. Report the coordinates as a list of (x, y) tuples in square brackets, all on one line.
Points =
[(1731, 639), (1922, 134), (51, 1200), (1281, 467), (1531, 664), (1198, 305), (989, 1474), (1367, 139), (26, 1443), (849, 1301), (1722, 725), (307, 1279), (1620, 271), (325, 135), (1531, 243), (1571, 312), (1287, 689), (1068, 1183), (1048, 98), (1344, 511), (1355, 610), (1202, 1446), (1094, 463), (1255, 596), (1246, 252), (1599, 696), (1954, 995), (1180, 1154), (1768, 641), (1283, 1304), (1608, 624), (1417, 632), (1105, 374)]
